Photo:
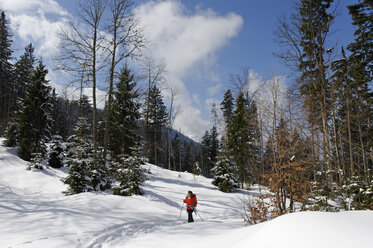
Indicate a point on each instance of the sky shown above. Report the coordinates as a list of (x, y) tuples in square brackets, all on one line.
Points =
[(202, 42)]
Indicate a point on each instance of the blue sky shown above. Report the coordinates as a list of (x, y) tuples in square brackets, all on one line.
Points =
[(220, 37)]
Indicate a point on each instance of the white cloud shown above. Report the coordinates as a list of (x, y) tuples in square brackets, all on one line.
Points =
[(187, 42), (29, 22), (48, 6)]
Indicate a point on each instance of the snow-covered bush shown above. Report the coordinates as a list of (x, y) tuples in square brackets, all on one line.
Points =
[(224, 176), (128, 175), (55, 153), (86, 172)]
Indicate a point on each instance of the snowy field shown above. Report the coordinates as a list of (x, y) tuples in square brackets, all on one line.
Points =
[(34, 213)]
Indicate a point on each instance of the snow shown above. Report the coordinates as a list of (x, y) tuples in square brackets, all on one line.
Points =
[(34, 213)]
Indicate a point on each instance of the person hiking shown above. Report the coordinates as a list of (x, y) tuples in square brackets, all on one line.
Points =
[(191, 201)]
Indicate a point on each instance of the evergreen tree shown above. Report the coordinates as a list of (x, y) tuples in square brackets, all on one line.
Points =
[(213, 149), (86, 172), (34, 117), (225, 171), (205, 147), (55, 153), (157, 120), (23, 69), (227, 106), (36, 161), (315, 20), (11, 133), (7, 90), (254, 136), (129, 175), (361, 71), (79, 159), (239, 139), (125, 115)]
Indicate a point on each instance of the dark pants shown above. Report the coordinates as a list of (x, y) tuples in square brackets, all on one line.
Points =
[(190, 215)]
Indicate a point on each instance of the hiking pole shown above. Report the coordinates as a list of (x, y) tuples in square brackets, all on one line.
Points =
[(195, 211), (181, 210)]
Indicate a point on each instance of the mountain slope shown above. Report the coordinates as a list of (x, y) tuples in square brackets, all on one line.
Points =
[(34, 213)]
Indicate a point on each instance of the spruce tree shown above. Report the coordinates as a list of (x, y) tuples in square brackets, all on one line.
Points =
[(129, 175), (34, 117), (23, 69), (7, 88), (125, 115), (55, 153), (213, 149), (205, 147), (79, 159), (224, 172), (227, 106), (314, 27), (157, 122), (11, 133), (361, 70), (239, 139)]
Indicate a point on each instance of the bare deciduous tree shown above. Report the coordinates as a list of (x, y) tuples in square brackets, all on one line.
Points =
[(126, 41), (82, 49)]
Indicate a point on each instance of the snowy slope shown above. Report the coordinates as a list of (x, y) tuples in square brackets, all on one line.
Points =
[(34, 213)]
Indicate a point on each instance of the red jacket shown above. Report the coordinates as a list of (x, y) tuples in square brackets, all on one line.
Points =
[(191, 202)]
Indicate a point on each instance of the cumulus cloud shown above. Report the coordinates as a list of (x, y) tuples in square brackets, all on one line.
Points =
[(29, 23), (50, 6), (186, 42)]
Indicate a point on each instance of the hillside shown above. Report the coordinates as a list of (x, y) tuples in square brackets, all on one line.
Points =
[(34, 213)]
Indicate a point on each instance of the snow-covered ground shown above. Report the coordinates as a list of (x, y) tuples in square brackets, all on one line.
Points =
[(34, 213)]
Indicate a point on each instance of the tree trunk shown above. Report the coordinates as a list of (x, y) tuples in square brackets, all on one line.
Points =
[(94, 121)]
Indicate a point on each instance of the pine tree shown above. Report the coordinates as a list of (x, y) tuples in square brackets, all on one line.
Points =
[(239, 140), (227, 106), (36, 161), (34, 117), (86, 171), (157, 122), (79, 159), (23, 69), (205, 147), (129, 175), (7, 89), (11, 133), (213, 149), (314, 28), (55, 153), (361, 63), (224, 172), (125, 115)]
